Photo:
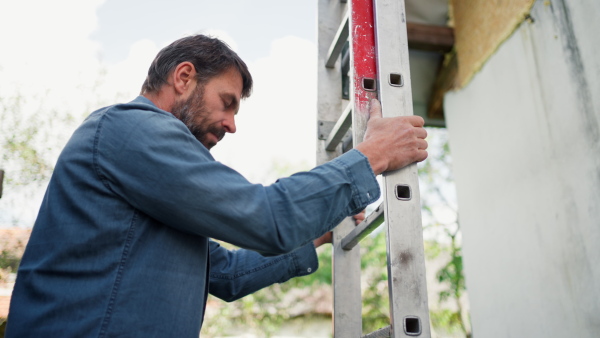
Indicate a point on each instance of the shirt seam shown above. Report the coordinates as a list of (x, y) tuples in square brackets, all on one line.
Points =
[(95, 156), (118, 277)]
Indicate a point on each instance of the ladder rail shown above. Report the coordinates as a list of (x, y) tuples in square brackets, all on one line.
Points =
[(347, 319), (409, 310)]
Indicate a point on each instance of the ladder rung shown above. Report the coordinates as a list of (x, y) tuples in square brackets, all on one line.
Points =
[(365, 227), (338, 42), (339, 129), (381, 333)]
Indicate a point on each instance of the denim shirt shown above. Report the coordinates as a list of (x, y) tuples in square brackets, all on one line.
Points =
[(121, 245)]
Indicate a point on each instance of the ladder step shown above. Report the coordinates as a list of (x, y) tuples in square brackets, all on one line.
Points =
[(340, 129), (371, 222), (381, 333), (338, 42)]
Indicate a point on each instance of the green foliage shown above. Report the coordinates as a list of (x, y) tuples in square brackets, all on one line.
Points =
[(23, 143), (31, 135), (9, 260), (446, 322), (452, 274), (12, 249)]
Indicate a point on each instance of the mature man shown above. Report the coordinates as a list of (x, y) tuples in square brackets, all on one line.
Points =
[(121, 245)]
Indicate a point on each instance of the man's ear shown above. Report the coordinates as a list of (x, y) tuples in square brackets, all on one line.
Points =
[(184, 78)]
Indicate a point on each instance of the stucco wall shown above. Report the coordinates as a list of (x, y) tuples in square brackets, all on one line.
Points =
[(524, 135)]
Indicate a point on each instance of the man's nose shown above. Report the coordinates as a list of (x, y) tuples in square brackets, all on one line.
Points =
[(229, 124)]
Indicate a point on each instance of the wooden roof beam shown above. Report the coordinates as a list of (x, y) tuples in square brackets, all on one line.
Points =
[(430, 38)]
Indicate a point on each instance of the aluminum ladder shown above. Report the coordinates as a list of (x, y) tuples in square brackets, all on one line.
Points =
[(363, 54)]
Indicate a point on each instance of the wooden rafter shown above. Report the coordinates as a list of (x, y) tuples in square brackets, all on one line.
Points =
[(430, 38), (438, 39), (444, 82)]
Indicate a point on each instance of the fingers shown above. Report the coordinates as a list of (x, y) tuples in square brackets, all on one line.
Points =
[(359, 217), (420, 132), (375, 110), (415, 120), (421, 155)]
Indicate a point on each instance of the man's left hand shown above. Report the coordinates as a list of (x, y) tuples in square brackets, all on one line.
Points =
[(328, 236)]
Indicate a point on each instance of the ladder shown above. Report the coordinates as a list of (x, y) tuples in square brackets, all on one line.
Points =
[(363, 54)]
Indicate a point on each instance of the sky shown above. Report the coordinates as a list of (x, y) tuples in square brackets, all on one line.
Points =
[(67, 58)]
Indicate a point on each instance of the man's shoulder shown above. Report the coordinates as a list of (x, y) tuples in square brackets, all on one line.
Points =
[(138, 123), (135, 115), (140, 108)]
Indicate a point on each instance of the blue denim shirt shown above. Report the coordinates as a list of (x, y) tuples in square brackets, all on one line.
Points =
[(121, 245)]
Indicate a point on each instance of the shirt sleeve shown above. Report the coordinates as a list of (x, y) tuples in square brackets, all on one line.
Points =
[(237, 273), (152, 161)]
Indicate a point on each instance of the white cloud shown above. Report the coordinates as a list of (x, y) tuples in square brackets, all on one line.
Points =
[(125, 78), (45, 43), (222, 35)]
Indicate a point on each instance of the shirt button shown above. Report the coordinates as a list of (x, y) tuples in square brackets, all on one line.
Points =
[(309, 269)]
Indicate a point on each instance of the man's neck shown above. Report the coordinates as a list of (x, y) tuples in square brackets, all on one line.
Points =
[(163, 99)]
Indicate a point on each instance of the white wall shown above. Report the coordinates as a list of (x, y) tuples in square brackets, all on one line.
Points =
[(525, 139)]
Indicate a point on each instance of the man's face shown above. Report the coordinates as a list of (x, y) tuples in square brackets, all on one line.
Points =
[(209, 112)]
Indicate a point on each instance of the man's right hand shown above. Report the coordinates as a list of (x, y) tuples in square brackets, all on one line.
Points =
[(392, 143)]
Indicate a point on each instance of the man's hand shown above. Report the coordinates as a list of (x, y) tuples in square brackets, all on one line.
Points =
[(328, 237), (393, 142)]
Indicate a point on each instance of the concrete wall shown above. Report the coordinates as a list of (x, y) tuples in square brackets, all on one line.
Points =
[(525, 139)]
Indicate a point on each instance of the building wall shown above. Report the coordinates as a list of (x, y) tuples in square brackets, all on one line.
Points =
[(525, 139)]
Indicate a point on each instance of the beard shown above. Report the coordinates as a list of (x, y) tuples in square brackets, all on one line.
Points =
[(193, 113)]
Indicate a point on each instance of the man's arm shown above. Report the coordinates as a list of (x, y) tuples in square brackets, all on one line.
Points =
[(151, 160), (237, 273)]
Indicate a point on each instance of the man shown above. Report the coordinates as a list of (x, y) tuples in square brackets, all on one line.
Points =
[(121, 243)]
